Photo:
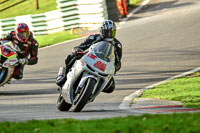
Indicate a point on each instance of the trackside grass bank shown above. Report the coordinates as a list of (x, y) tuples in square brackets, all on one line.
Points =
[(185, 89), (25, 8), (46, 40), (168, 123)]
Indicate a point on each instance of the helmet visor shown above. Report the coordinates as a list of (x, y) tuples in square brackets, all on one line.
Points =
[(23, 35), (109, 33)]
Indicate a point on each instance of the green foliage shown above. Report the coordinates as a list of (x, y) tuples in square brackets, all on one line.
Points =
[(26, 8), (176, 123), (46, 40), (134, 2), (185, 89)]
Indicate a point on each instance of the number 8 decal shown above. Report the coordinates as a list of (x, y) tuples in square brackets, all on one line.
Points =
[(100, 65)]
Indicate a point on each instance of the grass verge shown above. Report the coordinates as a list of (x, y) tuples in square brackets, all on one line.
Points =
[(134, 2), (185, 89), (27, 7), (46, 40), (168, 123)]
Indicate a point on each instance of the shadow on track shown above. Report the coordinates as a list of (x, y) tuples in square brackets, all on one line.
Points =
[(29, 92)]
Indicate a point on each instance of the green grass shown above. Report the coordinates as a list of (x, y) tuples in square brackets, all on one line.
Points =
[(27, 7), (134, 2), (185, 89), (46, 40), (168, 123)]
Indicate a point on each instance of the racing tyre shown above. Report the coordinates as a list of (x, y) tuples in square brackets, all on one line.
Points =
[(85, 93), (62, 105)]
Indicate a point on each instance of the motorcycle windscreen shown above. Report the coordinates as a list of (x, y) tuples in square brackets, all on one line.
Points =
[(105, 51)]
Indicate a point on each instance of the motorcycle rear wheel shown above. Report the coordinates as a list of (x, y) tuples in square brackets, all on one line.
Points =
[(84, 95), (62, 105)]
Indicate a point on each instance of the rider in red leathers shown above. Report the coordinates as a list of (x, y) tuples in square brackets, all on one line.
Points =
[(22, 39)]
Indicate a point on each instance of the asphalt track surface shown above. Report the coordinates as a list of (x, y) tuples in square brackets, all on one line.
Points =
[(161, 41)]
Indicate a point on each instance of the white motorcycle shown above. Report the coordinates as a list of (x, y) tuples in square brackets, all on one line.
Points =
[(87, 77)]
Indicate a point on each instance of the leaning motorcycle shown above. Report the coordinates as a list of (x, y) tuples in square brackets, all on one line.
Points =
[(8, 61), (88, 77)]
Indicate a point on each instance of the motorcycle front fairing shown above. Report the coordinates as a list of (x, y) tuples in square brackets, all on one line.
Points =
[(72, 76), (7, 63), (81, 73)]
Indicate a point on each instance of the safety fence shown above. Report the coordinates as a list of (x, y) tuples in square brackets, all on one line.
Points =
[(70, 14)]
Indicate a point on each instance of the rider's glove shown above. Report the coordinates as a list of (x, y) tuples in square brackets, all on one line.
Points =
[(23, 61), (75, 50)]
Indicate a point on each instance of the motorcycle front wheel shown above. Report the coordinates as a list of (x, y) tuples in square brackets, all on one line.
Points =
[(62, 105), (85, 93)]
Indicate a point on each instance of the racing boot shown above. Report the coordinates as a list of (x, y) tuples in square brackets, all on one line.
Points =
[(61, 78)]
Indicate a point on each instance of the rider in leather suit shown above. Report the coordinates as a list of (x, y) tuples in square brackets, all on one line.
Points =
[(107, 33), (22, 39)]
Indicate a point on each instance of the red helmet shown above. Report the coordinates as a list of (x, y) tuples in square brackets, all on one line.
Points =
[(22, 32)]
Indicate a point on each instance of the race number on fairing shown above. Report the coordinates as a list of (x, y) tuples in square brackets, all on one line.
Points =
[(100, 66)]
